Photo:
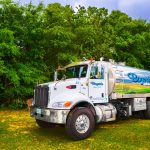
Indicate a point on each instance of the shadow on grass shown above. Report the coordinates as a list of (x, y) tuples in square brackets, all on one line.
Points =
[(56, 133)]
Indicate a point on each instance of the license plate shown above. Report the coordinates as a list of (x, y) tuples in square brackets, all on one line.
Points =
[(38, 111)]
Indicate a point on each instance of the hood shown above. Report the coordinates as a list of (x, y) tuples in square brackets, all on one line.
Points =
[(58, 87), (61, 86)]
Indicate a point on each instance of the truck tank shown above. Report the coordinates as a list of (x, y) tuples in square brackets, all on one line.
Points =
[(128, 80)]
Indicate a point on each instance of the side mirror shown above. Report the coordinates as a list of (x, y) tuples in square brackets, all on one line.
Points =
[(55, 75)]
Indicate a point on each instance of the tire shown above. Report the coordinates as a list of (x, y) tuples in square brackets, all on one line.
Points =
[(44, 124), (80, 123), (147, 112)]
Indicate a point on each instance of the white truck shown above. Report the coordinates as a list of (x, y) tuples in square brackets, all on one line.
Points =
[(91, 92)]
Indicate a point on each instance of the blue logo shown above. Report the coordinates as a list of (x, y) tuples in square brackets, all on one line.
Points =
[(138, 79), (96, 84)]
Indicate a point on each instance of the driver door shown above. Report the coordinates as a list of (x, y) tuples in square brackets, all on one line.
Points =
[(98, 84)]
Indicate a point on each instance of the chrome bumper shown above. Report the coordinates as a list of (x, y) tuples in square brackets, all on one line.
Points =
[(50, 115)]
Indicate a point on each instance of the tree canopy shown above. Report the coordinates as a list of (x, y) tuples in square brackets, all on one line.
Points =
[(34, 40)]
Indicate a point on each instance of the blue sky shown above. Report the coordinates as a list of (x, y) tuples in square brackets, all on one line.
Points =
[(134, 8)]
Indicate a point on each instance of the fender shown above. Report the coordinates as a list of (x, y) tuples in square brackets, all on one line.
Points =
[(73, 96), (86, 104)]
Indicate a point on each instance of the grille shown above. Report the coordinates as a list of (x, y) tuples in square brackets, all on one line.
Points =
[(41, 96)]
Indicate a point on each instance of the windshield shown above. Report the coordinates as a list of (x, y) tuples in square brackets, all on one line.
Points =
[(76, 71), (73, 72)]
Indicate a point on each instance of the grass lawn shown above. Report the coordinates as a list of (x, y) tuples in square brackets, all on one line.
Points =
[(19, 131)]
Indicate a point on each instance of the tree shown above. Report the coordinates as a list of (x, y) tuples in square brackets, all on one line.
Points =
[(35, 40)]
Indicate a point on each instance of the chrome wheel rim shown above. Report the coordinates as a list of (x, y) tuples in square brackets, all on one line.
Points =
[(82, 124)]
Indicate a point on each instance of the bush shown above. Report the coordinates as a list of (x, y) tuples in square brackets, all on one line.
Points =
[(18, 104)]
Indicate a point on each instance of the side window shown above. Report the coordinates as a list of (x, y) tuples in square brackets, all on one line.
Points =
[(97, 72)]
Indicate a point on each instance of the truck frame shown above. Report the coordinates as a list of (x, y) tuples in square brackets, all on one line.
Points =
[(91, 92)]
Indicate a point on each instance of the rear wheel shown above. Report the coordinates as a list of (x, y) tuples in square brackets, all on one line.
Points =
[(80, 123), (44, 124)]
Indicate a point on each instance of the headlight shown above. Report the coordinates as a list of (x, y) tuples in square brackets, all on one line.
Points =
[(62, 104), (58, 104)]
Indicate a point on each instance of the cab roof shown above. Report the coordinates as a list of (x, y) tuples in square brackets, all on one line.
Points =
[(78, 63)]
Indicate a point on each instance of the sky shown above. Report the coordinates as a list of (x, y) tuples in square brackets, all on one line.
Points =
[(134, 8)]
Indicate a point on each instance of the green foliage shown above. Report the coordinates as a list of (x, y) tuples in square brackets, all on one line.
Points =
[(34, 40), (17, 104)]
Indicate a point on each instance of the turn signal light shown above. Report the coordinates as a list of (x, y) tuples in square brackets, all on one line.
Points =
[(67, 104)]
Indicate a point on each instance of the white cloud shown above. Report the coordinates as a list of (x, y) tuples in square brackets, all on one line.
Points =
[(77, 3), (80, 2), (109, 4), (132, 3), (135, 8)]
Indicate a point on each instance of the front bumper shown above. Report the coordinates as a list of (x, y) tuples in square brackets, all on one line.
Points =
[(50, 115)]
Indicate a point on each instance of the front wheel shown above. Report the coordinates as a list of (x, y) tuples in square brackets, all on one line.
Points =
[(80, 123)]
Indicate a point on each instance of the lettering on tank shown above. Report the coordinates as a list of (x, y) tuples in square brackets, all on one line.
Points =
[(138, 79)]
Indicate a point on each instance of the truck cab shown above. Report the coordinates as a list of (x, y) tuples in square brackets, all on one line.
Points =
[(79, 97)]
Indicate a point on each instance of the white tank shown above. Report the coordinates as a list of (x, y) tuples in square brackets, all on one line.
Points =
[(128, 80)]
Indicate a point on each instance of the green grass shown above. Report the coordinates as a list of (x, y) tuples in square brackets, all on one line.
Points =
[(19, 131)]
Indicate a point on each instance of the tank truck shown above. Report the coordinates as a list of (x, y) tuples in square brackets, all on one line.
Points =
[(91, 92)]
